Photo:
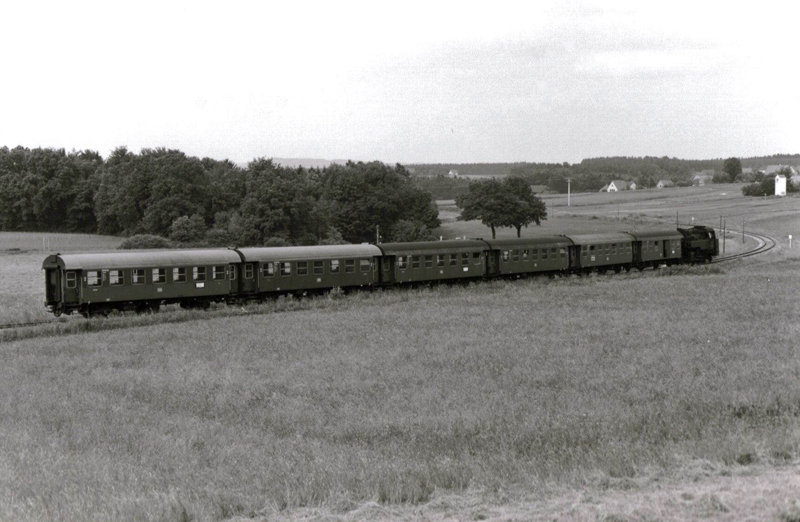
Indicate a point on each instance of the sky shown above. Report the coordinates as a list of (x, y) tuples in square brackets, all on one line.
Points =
[(409, 82)]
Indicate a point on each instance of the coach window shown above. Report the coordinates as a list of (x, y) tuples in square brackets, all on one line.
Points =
[(505, 255), (71, 279), (268, 269), (544, 253), (402, 262), (453, 259), (476, 258), (319, 268), (613, 248), (440, 260), (232, 272), (428, 261), (159, 275), (199, 273), (350, 265), (248, 271), (515, 255), (218, 273), (302, 268), (535, 254), (334, 266), (465, 258), (137, 276), (554, 253), (116, 277), (525, 254), (286, 268), (414, 261), (365, 264), (563, 252), (178, 275), (93, 278)]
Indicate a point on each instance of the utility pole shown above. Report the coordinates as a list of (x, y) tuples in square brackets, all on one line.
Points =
[(724, 224), (677, 218), (743, 231), (377, 234), (568, 190)]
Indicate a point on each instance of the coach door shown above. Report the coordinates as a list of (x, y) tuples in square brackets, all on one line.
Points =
[(234, 280), (637, 251), (53, 289), (492, 262), (249, 279), (386, 269), (72, 286), (574, 252)]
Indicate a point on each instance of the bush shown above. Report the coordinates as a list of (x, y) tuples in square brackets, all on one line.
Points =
[(145, 241)]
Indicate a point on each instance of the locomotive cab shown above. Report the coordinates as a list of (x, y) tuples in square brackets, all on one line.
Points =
[(699, 244)]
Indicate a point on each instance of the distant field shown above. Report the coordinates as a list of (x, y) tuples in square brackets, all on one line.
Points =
[(21, 257), (643, 209)]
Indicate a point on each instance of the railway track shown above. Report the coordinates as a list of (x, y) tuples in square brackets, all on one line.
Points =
[(765, 244), (9, 326)]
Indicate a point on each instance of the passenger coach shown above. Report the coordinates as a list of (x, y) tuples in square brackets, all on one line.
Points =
[(312, 269), (141, 281), (432, 260), (529, 255)]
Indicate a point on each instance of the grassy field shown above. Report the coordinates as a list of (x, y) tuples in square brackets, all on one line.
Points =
[(21, 257), (420, 404)]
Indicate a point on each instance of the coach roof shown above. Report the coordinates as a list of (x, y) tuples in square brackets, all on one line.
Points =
[(141, 259), (432, 247), (533, 241), (262, 254), (668, 233), (596, 239)]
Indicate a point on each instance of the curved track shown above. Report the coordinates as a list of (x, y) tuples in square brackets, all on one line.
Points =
[(765, 244)]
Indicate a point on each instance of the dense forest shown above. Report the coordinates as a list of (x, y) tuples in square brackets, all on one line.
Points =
[(209, 202), (588, 175)]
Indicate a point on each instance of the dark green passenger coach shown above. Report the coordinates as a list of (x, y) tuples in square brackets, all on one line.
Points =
[(432, 260), (97, 283), (282, 270)]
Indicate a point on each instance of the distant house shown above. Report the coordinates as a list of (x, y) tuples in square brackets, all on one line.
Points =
[(632, 186), (452, 174), (771, 170), (539, 189), (664, 183), (703, 177), (780, 185), (747, 170), (615, 186)]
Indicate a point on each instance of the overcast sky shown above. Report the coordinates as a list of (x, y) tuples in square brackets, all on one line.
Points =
[(408, 81)]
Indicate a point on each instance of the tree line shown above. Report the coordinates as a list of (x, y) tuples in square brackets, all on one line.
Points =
[(190, 200)]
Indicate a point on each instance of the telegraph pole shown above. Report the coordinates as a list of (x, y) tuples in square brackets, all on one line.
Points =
[(724, 224), (743, 231)]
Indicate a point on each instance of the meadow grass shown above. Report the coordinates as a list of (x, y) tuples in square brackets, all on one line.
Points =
[(21, 275), (395, 397)]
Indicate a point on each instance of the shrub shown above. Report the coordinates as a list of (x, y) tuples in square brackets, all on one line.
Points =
[(144, 241)]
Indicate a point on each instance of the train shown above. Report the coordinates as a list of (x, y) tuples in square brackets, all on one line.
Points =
[(101, 283)]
